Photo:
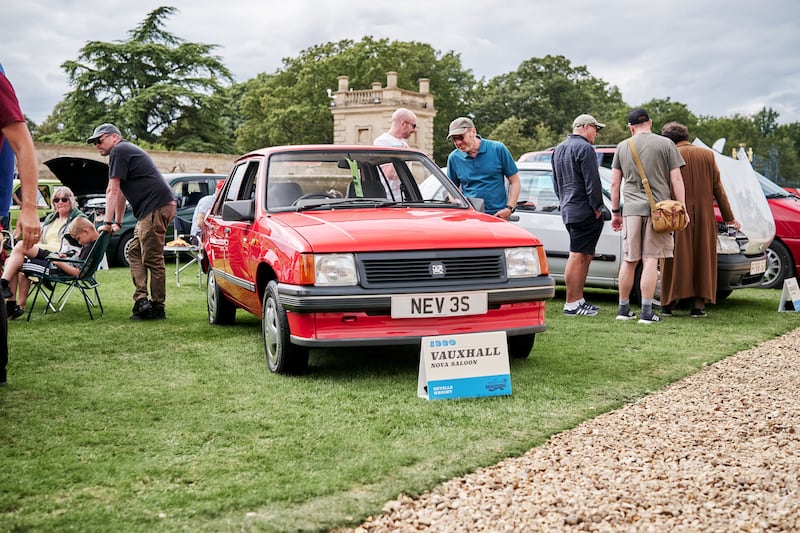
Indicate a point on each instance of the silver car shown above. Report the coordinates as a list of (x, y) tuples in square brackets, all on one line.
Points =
[(539, 212)]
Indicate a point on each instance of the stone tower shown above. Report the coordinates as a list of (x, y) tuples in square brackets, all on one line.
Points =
[(359, 116)]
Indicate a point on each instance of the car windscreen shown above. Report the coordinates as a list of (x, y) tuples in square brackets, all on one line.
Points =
[(324, 179)]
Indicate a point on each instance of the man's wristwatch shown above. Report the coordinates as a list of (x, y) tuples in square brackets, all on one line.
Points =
[(511, 208), (615, 211)]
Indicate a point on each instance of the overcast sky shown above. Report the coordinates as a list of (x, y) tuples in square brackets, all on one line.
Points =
[(717, 57)]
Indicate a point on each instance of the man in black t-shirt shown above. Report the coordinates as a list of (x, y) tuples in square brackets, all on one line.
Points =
[(132, 175)]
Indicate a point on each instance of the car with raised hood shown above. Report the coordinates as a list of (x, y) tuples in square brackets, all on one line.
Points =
[(539, 211), (88, 179), (312, 240)]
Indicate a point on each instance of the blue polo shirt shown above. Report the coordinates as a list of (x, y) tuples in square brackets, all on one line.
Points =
[(483, 176)]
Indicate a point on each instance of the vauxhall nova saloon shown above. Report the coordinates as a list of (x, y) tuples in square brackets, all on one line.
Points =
[(337, 246)]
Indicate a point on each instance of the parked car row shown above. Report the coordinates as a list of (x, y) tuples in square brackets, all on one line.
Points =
[(783, 251), (88, 179)]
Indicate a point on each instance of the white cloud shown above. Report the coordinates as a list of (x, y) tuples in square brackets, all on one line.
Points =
[(717, 57)]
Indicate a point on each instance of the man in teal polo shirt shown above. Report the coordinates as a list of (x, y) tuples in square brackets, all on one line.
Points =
[(480, 167)]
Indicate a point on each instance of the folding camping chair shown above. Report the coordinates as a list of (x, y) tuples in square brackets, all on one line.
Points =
[(182, 228), (84, 282)]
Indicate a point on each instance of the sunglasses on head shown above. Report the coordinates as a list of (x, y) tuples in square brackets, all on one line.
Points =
[(56, 200)]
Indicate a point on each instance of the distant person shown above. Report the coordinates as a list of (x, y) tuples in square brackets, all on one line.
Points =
[(133, 175), (692, 272), (577, 184), (480, 167), (200, 211), (640, 243), (404, 123), (14, 131)]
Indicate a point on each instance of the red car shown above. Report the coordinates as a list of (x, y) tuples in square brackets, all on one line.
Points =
[(783, 253), (313, 240)]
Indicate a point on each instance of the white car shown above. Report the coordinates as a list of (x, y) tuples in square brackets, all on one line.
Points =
[(539, 212)]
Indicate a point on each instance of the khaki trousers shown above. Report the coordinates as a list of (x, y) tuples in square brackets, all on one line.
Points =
[(146, 255)]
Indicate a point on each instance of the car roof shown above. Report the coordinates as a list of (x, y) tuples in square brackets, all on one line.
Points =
[(325, 148)]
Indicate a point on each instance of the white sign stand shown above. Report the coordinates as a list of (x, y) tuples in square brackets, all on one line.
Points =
[(790, 293), (464, 366)]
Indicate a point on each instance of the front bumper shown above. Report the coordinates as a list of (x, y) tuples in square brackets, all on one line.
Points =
[(734, 271)]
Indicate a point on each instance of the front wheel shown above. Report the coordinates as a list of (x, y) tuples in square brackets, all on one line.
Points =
[(220, 310), (779, 266), (520, 346), (283, 357)]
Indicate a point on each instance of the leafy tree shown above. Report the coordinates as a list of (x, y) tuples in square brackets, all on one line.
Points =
[(665, 110), (158, 88), (546, 92), (292, 105), (509, 132)]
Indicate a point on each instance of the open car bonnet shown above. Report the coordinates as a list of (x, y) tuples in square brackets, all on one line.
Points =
[(86, 177), (747, 200)]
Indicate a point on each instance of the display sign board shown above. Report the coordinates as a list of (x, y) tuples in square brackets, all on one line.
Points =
[(469, 365), (790, 293)]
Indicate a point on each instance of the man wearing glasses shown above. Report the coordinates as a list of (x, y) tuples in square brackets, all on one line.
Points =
[(133, 176), (480, 167), (404, 123), (576, 182)]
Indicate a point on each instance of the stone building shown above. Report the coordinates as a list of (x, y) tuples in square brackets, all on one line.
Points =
[(359, 116)]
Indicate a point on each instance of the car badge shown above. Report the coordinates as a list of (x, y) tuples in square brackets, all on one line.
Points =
[(437, 269)]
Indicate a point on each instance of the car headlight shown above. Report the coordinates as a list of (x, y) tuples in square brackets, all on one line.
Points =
[(335, 269), (727, 245), (522, 262)]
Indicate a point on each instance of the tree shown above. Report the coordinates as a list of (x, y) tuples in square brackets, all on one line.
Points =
[(545, 92), (158, 88), (292, 105)]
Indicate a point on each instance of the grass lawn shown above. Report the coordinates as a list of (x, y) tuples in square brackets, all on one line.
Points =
[(113, 425)]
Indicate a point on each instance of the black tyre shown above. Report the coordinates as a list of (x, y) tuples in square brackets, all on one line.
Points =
[(283, 357), (779, 266), (721, 295), (123, 248), (520, 346), (220, 310)]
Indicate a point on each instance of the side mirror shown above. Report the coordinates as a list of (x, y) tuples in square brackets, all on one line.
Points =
[(477, 203), (239, 211)]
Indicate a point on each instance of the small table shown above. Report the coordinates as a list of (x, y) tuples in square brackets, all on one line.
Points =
[(194, 251)]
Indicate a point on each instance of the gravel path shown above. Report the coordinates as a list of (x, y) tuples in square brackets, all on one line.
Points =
[(717, 451)]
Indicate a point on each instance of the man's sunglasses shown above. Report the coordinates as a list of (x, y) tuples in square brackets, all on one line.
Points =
[(457, 138), (56, 200)]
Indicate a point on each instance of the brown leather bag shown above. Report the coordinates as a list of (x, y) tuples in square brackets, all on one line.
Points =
[(666, 215)]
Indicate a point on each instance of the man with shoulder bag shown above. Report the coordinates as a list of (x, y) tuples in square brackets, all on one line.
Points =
[(658, 175)]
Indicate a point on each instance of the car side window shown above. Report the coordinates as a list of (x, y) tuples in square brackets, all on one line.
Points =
[(537, 192)]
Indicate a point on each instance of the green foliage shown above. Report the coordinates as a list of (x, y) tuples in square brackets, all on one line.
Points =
[(291, 106), (546, 92), (177, 425), (155, 86)]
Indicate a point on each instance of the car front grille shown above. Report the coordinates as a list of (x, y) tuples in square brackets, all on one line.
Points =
[(432, 268)]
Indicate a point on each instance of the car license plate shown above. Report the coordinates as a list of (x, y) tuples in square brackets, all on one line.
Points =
[(439, 304), (758, 267)]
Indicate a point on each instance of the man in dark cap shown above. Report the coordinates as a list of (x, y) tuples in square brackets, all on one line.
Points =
[(662, 166), (132, 175), (480, 168), (576, 181)]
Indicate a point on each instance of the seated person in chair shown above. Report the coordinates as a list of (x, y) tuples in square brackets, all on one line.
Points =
[(81, 229), (54, 228)]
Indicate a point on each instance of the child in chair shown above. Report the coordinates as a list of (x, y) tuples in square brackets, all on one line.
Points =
[(81, 229)]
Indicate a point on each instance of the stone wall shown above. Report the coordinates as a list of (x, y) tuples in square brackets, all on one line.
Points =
[(165, 161)]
